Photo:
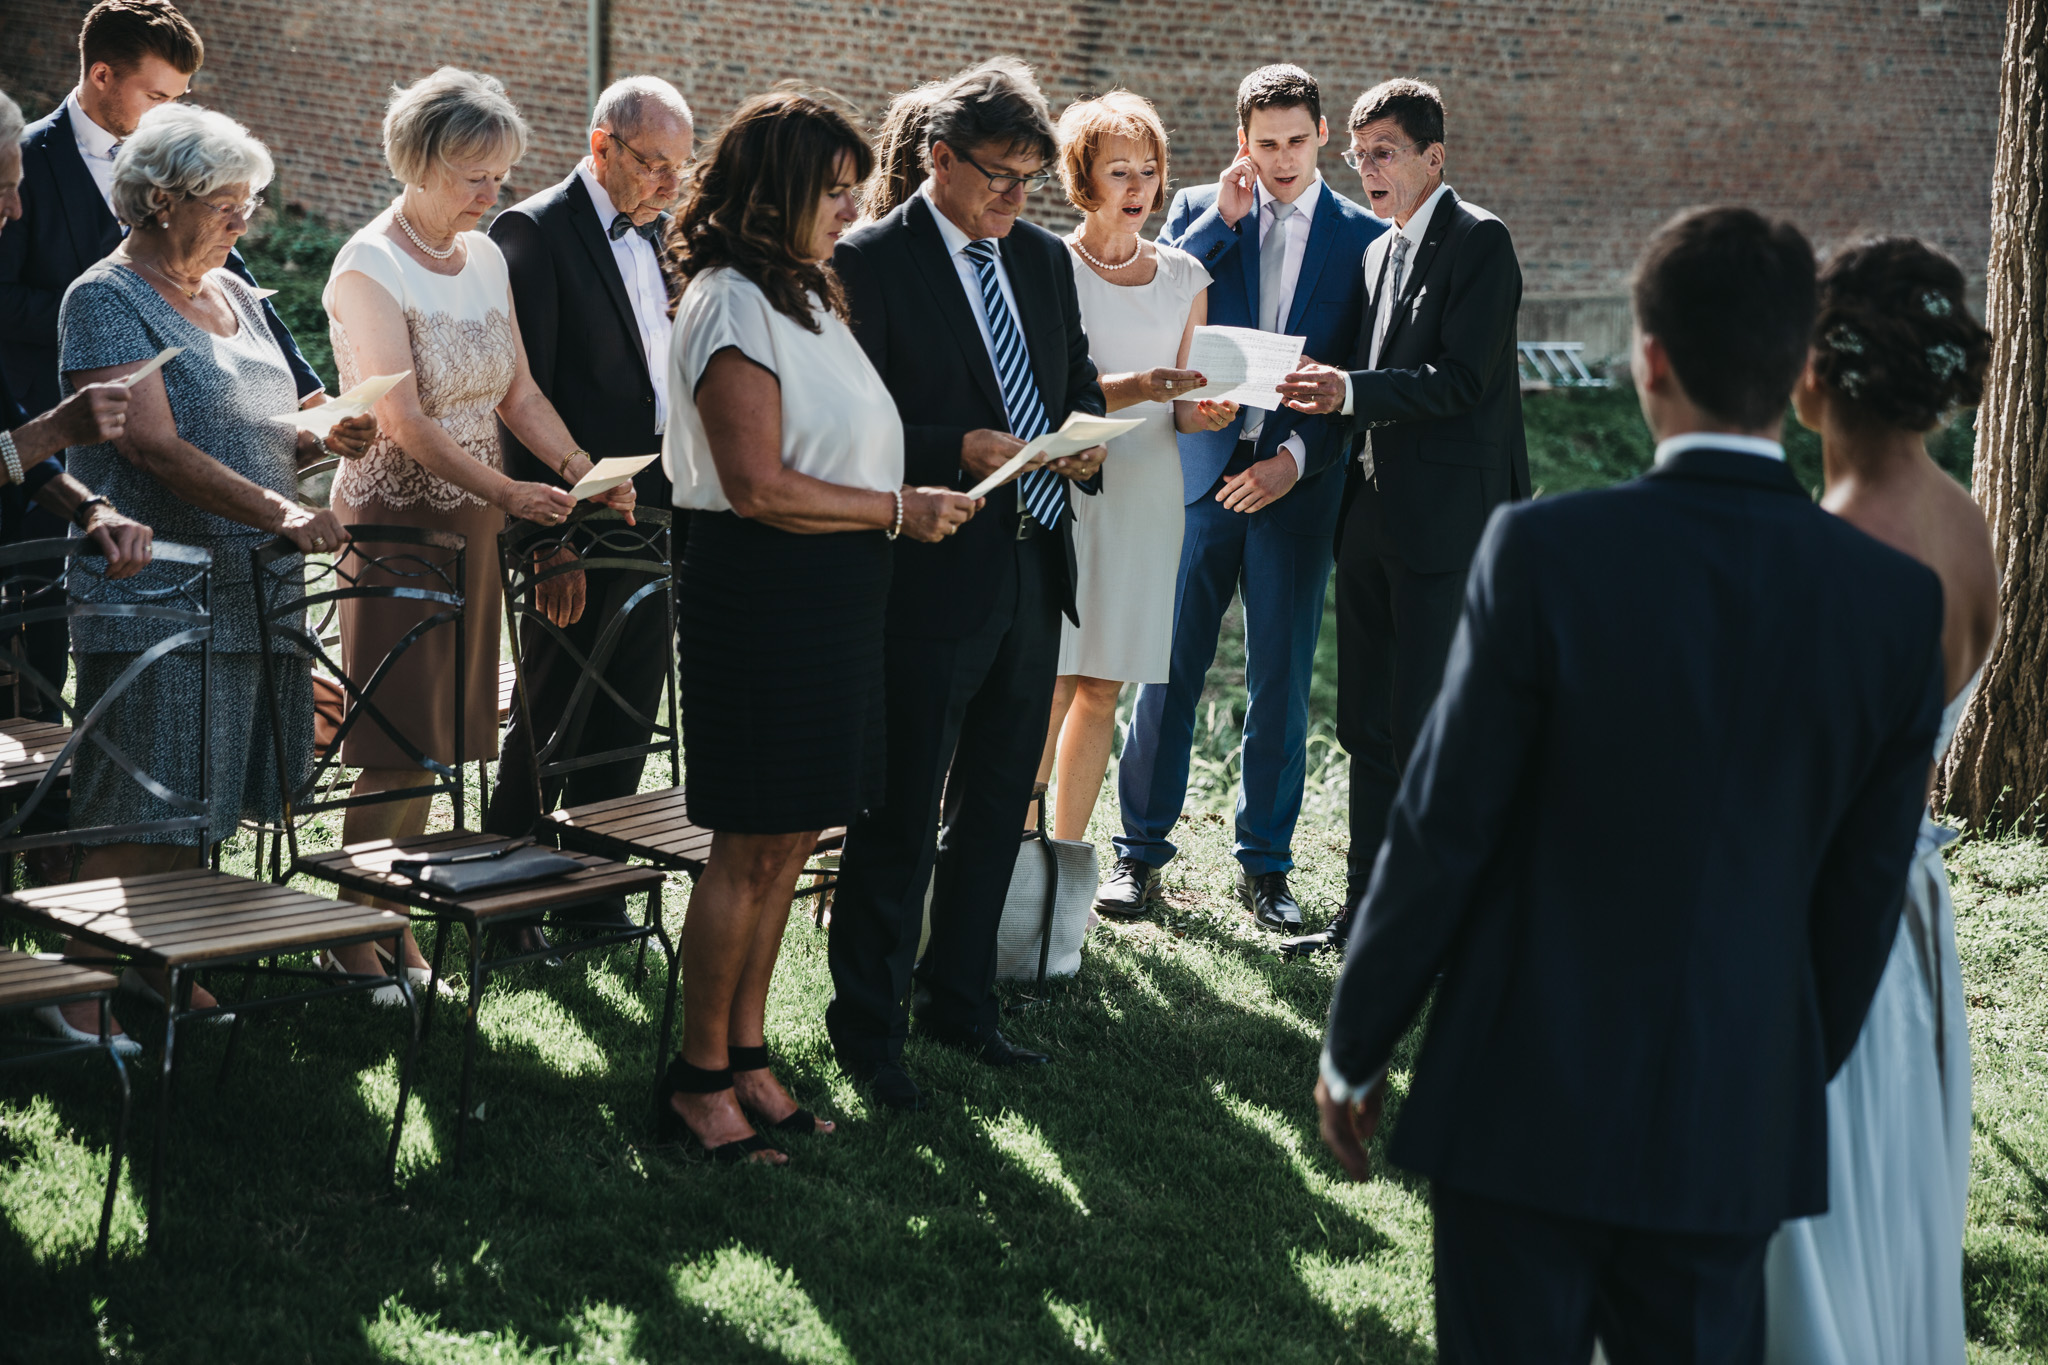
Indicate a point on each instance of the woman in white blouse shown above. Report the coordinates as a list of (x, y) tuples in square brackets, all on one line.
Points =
[(787, 449)]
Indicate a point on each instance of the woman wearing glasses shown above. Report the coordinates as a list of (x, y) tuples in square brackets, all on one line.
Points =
[(204, 460)]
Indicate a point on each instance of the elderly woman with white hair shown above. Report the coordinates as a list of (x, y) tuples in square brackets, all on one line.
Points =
[(202, 459), (418, 291)]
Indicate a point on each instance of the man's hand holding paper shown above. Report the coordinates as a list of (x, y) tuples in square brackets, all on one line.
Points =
[(1244, 365), (1076, 450)]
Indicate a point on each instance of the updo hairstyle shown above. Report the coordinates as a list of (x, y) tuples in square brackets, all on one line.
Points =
[(1894, 336)]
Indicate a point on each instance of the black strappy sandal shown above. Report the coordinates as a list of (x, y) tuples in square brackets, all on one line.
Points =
[(683, 1079), (803, 1122)]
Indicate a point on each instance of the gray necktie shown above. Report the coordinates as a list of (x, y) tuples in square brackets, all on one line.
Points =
[(1383, 317), (1272, 280)]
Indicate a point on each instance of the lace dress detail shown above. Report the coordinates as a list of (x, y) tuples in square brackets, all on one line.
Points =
[(462, 363)]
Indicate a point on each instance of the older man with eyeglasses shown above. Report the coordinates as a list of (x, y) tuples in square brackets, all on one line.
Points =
[(1433, 402), (584, 257)]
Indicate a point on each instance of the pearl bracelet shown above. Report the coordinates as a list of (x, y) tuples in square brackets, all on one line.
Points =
[(12, 458), (897, 529)]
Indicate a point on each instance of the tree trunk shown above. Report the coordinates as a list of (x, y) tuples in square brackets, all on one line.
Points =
[(1997, 770)]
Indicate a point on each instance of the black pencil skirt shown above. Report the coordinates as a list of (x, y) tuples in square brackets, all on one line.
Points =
[(779, 647)]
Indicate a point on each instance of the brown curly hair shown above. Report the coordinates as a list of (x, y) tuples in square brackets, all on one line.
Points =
[(751, 200), (1894, 336), (899, 151)]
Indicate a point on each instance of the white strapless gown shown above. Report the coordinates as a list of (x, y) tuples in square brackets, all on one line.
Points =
[(1878, 1278)]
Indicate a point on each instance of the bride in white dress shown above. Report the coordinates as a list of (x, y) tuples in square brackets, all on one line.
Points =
[(1877, 1280)]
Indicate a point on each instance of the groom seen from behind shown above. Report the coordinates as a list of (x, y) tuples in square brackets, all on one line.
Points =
[(1654, 836)]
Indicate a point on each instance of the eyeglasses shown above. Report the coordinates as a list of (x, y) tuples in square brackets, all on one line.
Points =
[(660, 170), (1003, 184), (1382, 156), (245, 210)]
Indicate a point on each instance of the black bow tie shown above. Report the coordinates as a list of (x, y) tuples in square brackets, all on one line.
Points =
[(622, 225)]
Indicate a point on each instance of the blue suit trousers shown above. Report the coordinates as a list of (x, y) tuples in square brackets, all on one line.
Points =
[(1282, 577)]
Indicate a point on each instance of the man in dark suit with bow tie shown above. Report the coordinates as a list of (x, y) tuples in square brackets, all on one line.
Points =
[(970, 316), (587, 282), (132, 56), (1433, 400)]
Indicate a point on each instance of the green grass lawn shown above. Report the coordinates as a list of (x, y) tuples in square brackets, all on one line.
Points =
[(1157, 1194)]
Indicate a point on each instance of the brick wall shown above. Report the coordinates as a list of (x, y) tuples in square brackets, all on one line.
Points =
[(1582, 123)]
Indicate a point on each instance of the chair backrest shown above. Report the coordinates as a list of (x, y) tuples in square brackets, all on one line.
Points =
[(294, 594), (174, 593), (600, 540)]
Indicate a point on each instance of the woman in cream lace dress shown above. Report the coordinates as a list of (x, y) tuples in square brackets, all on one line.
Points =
[(420, 290)]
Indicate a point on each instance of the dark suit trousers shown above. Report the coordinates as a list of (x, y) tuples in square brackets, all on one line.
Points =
[(1394, 629), (1514, 1284), (978, 705), (598, 724)]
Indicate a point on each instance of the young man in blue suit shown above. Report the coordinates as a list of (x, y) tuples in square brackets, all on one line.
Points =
[(1283, 249)]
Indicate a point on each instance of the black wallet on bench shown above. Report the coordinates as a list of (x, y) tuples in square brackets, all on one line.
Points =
[(465, 873)]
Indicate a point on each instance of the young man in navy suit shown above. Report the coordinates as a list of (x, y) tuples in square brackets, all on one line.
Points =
[(1649, 855), (132, 56), (1262, 495)]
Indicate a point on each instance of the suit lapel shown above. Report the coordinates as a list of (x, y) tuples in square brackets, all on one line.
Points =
[(583, 214), (94, 231), (1425, 256), (1322, 231), (928, 249)]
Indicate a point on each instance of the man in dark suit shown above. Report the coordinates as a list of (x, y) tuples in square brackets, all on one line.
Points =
[(585, 262), (1282, 248), (1654, 837), (133, 56), (1435, 401), (970, 315)]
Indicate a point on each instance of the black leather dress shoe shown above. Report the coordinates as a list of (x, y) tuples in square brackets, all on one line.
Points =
[(518, 940), (1133, 885), (890, 1084), (1332, 937), (985, 1045), (1269, 901)]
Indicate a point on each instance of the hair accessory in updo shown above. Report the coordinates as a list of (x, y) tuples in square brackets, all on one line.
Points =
[(1845, 340), (1946, 360), (1894, 337)]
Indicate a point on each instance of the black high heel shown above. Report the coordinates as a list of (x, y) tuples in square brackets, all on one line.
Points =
[(683, 1079), (803, 1121)]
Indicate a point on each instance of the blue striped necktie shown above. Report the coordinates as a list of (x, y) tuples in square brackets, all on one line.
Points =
[(1043, 492)]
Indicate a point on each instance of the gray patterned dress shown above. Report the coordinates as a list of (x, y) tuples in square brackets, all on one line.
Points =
[(226, 394)]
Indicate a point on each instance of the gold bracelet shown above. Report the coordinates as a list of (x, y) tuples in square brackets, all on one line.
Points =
[(563, 468)]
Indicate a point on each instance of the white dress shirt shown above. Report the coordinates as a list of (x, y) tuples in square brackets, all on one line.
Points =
[(96, 145), (1418, 224), (641, 272), (1290, 276), (956, 247), (1674, 446)]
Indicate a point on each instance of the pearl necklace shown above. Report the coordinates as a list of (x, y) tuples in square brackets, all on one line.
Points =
[(1089, 257), (420, 242)]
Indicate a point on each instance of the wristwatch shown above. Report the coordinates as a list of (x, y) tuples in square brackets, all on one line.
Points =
[(83, 511)]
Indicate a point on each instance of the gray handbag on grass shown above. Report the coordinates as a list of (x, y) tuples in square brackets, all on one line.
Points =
[(1045, 914)]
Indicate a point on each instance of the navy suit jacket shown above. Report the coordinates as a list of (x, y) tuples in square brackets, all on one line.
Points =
[(65, 227), (1329, 298), (913, 320), (1445, 402), (582, 342), (1655, 835)]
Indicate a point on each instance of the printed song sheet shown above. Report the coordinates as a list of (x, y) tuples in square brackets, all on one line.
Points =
[(608, 474), (1242, 364), (356, 402), (1078, 433)]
